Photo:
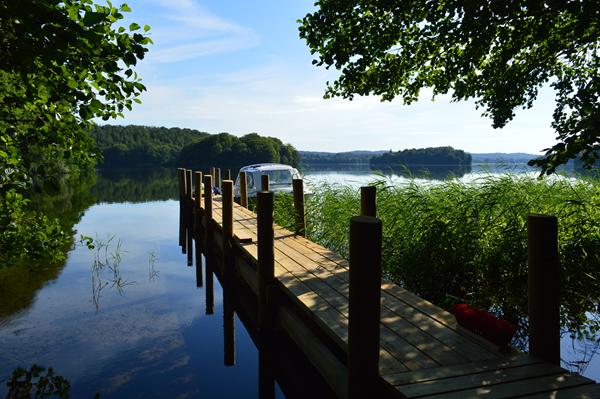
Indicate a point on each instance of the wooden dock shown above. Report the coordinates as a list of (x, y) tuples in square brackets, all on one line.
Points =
[(423, 352)]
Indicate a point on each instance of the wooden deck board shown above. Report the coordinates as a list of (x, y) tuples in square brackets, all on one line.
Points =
[(423, 352)]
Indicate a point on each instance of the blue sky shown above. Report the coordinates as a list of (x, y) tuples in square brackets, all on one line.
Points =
[(238, 66)]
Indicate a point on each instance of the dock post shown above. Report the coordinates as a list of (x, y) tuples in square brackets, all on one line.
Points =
[(298, 187), (189, 216), (217, 181), (181, 179), (364, 307), (266, 256), (368, 201), (198, 233), (243, 190), (264, 183), (227, 211), (543, 287), (227, 174), (209, 257)]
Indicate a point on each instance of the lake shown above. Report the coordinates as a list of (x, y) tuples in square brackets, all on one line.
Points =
[(127, 318)]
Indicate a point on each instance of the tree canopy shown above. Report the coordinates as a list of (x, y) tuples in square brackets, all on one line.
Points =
[(135, 145), (234, 152), (424, 156), (498, 52), (62, 63)]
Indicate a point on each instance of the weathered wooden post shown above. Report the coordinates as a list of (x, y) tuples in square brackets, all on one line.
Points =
[(227, 211), (544, 287), (264, 182), (368, 201), (198, 193), (227, 174), (217, 181), (209, 258), (181, 179), (213, 173), (243, 190), (207, 203), (298, 187), (364, 307), (189, 216), (266, 256)]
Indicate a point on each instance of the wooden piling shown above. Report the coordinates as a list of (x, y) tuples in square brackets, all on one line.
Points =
[(189, 216), (243, 190), (266, 257), (364, 306), (544, 287), (298, 187), (181, 179), (209, 289), (198, 193), (264, 183), (207, 202), (217, 181), (228, 324), (368, 201), (227, 174), (227, 211)]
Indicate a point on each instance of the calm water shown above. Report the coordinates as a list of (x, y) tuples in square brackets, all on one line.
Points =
[(127, 319)]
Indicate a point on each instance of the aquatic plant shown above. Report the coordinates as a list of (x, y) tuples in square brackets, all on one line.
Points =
[(456, 241)]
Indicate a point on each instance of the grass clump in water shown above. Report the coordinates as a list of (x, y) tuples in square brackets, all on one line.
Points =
[(456, 241)]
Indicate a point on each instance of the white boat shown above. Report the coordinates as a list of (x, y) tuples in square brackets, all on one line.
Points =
[(280, 178)]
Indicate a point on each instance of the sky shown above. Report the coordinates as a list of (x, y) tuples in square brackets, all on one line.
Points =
[(239, 66)]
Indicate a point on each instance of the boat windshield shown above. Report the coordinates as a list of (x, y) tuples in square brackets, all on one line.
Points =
[(279, 177)]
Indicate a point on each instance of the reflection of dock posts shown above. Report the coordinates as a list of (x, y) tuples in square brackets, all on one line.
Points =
[(181, 179), (266, 375), (209, 256), (264, 182), (544, 288), (243, 190), (266, 257), (364, 307), (189, 216), (227, 174), (228, 264), (198, 228), (298, 186), (368, 201), (217, 181)]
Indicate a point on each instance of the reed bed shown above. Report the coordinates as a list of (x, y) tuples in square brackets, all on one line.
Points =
[(455, 241)]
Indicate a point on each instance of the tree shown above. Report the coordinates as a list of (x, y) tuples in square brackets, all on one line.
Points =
[(498, 52), (62, 63)]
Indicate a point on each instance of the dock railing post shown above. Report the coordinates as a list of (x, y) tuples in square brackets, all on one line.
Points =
[(227, 212), (368, 201), (543, 287), (298, 187), (181, 179), (264, 183), (189, 216), (227, 174), (228, 272), (198, 227), (364, 307), (208, 237), (266, 257), (243, 190), (217, 181)]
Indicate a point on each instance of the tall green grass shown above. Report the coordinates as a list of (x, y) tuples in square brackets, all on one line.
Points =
[(453, 241)]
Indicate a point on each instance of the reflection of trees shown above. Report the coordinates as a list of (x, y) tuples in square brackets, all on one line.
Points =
[(67, 203), (135, 185)]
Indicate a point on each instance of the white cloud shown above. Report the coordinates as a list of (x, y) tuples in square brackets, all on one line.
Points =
[(186, 30)]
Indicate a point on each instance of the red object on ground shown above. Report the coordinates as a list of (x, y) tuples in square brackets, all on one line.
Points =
[(483, 323)]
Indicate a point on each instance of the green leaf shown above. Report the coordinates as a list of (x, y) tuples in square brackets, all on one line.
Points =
[(134, 26), (125, 8)]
